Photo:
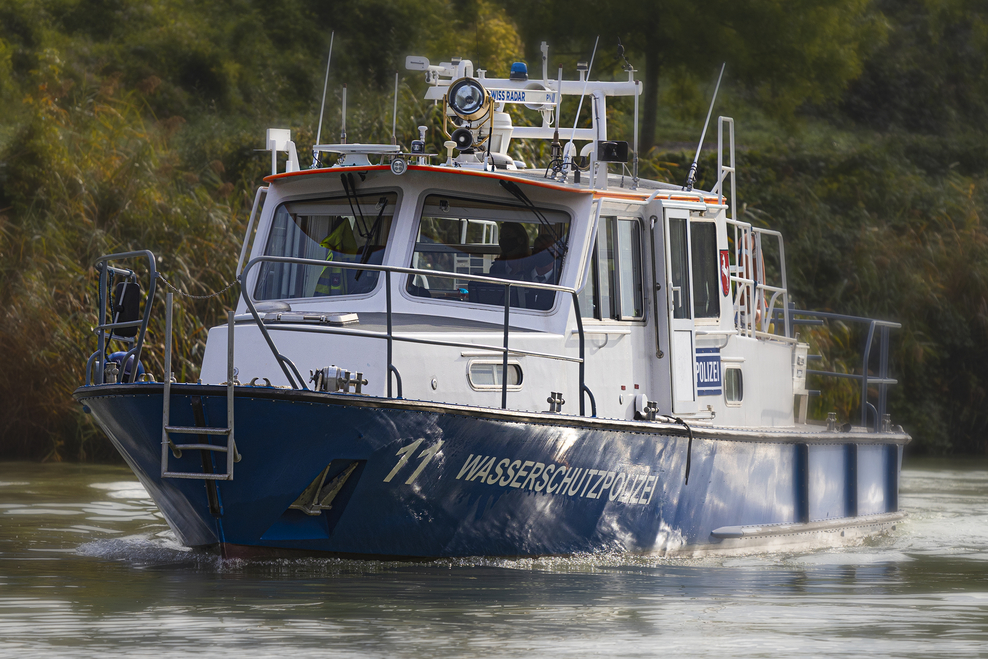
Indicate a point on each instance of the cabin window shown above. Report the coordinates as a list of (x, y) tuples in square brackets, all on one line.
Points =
[(589, 299), (614, 284), (678, 266), (484, 375), (605, 270), (336, 230), (630, 269), (469, 236), (733, 386), (706, 270)]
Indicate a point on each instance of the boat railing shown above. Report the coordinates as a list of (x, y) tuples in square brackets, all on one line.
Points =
[(758, 305), (296, 380), (881, 379), (106, 329), (778, 296), (755, 300), (258, 198), (726, 173)]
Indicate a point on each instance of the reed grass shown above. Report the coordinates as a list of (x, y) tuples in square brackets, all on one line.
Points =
[(136, 125)]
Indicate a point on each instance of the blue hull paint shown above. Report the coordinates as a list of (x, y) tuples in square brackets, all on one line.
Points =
[(497, 483)]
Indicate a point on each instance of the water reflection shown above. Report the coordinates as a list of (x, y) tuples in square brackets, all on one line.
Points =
[(89, 568)]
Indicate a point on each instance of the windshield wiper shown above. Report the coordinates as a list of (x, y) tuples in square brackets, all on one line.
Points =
[(351, 196), (520, 195), (376, 233)]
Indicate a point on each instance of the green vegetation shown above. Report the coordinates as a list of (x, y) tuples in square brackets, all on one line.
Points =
[(130, 124)]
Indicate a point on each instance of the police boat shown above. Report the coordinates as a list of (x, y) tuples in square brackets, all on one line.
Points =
[(456, 354)]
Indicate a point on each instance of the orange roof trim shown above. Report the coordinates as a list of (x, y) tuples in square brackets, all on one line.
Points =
[(597, 194), (429, 168)]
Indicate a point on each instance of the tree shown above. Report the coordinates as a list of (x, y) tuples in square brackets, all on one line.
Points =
[(930, 77), (782, 53)]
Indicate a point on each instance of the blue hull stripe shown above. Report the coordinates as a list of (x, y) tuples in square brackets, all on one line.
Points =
[(429, 482)]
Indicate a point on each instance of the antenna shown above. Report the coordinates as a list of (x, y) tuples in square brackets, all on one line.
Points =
[(556, 149), (690, 179), (559, 100), (394, 114), (343, 130), (635, 179), (631, 78), (586, 81), (322, 106)]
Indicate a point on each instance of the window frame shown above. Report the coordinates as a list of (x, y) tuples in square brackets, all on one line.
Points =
[(389, 245), (697, 319), (496, 363), (636, 222), (463, 195), (728, 401), (611, 228)]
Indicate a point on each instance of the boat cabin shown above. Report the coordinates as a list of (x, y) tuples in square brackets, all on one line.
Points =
[(468, 278)]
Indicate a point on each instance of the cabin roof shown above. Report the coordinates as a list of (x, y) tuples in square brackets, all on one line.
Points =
[(532, 177)]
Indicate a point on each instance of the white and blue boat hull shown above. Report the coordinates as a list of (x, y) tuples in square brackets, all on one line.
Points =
[(426, 480)]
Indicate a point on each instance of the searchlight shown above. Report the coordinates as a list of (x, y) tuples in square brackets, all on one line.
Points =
[(468, 99)]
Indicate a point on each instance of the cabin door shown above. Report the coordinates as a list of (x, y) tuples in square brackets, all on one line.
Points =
[(679, 297)]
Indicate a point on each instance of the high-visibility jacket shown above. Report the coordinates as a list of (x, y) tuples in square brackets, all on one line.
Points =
[(342, 246)]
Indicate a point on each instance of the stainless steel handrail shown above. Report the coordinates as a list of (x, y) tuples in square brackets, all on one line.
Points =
[(295, 378), (750, 291), (107, 275), (371, 334), (250, 226), (882, 380)]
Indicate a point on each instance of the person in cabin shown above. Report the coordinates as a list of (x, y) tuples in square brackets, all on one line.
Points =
[(512, 263), (544, 255), (544, 271), (342, 247)]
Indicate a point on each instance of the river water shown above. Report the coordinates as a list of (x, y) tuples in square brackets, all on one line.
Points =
[(88, 568)]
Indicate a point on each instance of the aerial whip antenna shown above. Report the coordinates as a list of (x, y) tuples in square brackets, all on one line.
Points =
[(559, 101), (631, 78), (394, 114), (555, 158), (322, 106), (586, 81), (691, 178), (620, 50), (343, 129)]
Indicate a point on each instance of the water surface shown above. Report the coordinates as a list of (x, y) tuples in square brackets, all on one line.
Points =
[(88, 568)]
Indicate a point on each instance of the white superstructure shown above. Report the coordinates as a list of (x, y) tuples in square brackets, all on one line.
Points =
[(680, 315)]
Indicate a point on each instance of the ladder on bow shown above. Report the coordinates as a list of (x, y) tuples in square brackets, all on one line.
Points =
[(200, 430)]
